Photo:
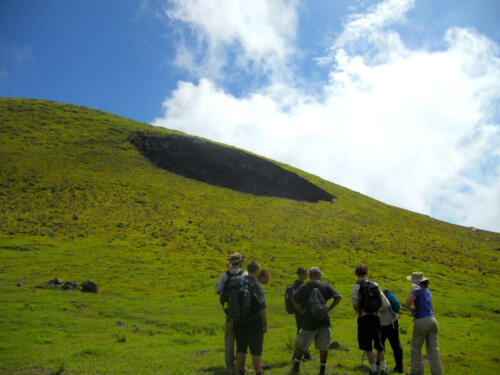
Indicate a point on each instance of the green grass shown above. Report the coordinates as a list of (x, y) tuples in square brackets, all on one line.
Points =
[(78, 202)]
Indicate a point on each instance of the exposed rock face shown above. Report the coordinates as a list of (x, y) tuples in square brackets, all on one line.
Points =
[(89, 287), (226, 167)]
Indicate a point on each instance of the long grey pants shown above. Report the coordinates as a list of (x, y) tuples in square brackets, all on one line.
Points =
[(229, 344), (425, 329)]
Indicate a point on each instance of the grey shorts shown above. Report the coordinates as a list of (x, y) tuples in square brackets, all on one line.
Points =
[(321, 337)]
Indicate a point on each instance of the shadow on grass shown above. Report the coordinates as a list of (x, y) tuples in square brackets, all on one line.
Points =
[(221, 370), (361, 368)]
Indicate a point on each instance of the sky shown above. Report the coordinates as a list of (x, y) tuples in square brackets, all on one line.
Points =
[(395, 99)]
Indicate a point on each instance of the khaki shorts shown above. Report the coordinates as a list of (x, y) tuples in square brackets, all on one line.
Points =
[(321, 337)]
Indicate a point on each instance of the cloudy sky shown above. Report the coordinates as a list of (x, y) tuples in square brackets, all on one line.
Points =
[(396, 99)]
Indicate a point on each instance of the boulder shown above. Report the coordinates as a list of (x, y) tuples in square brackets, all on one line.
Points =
[(89, 287)]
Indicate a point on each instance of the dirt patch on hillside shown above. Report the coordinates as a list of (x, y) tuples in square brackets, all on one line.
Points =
[(226, 167)]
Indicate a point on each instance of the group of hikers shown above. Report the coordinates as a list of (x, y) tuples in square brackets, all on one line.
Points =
[(242, 296)]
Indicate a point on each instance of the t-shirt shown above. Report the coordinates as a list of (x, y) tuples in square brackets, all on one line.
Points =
[(423, 303), (257, 292), (301, 296)]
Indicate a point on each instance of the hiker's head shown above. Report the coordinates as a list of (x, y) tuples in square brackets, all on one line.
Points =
[(315, 273), (361, 270), (264, 277), (302, 272), (419, 279), (236, 260), (254, 269)]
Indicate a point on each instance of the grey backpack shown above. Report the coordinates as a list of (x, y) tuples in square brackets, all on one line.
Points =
[(316, 305)]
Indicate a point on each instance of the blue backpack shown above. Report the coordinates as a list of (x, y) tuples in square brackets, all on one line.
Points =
[(395, 304)]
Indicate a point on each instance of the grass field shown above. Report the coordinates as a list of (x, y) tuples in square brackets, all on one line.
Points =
[(78, 202)]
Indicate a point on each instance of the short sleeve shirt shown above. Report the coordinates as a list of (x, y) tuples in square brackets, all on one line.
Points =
[(301, 296), (257, 291)]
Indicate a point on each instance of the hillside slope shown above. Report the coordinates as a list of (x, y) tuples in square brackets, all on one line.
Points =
[(79, 201)]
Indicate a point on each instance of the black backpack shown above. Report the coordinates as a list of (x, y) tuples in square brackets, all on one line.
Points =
[(239, 299), (370, 299), (290, 289), (229, 275), (316, 305)]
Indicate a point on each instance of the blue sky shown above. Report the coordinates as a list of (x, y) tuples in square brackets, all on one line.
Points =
[(397, 99)]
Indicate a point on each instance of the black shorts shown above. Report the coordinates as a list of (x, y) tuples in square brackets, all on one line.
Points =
[(249, 335), (369, 331)]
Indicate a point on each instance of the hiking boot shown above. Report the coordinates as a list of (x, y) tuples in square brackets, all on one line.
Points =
[(373, 372), (383, 372)]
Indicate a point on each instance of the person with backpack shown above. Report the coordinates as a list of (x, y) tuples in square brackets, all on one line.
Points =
[(310, 300), (251, 322), (389, 316), (367, 300), (235, 261), (425, 326), (290, 289)]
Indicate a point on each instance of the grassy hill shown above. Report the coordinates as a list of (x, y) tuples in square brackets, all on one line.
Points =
[(78, 201)]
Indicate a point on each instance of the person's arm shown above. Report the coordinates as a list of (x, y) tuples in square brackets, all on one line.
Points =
[(298, 307), (220, 284), (355, 298), (335, 302), (409, 301), (356, 308), (263, 313)]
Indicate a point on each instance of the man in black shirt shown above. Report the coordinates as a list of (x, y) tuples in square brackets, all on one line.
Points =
[(250, 331), (312, 328)]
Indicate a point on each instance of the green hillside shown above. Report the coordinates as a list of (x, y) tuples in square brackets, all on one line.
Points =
[(79, 202)]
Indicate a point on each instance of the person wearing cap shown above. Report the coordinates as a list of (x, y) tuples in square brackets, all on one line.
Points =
[(369, 327), (302, 276), (312, 328), (235, 261), (425, 326)]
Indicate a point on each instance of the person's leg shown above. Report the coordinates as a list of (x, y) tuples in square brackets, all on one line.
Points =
[(257, 363), (299, 318), (240, 363), (397, 349), (376, 333), (229, 344), (433, 355), (302, 343), (323, 358), (322, 340), (419, 333)]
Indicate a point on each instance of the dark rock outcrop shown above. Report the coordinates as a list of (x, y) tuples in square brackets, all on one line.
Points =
[(226, 167), (89, 287)]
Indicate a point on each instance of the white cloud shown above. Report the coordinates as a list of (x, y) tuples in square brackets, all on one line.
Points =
[(259, 30), (413, 128)]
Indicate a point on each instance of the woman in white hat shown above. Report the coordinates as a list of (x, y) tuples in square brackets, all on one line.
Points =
[(425, 327)]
